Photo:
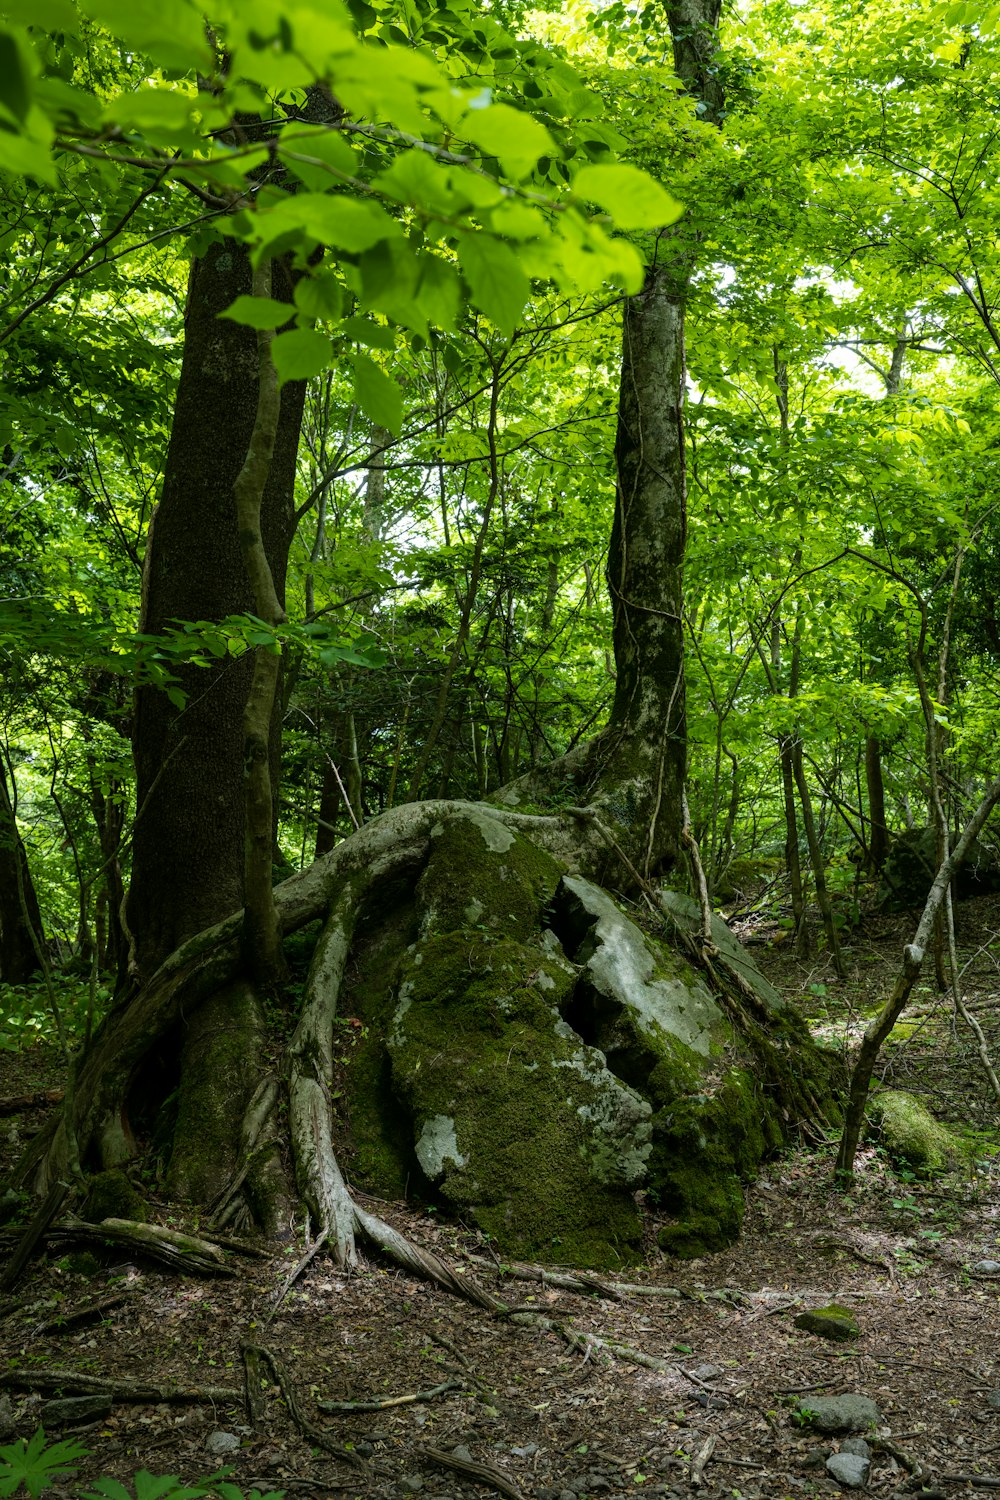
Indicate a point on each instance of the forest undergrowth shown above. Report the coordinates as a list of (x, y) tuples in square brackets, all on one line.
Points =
[(671, 1379)]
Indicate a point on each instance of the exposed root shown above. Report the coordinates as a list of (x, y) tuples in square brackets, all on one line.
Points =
[(340, 1407), (309, 1431), (118, 1387), (483, 1473)]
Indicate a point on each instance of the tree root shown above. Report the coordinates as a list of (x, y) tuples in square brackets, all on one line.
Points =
[(340, 1407), (171, 1248), (259, 1354), (484, 1473), (118, 1387)]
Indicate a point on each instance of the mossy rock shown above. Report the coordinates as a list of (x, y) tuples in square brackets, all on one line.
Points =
[(531, 1057), (110, 1195), (910, 1134), (517, 1124), (831, 1322)]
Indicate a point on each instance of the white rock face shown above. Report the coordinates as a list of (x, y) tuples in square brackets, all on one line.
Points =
[(623, 967), (437, 1145)]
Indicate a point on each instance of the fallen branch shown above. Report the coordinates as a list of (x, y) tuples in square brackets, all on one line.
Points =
[(309, 1431), (170, 1247), (118, 1387), (391, 1401), (484, 1473), (22, 1102), (697, 1475), (89, 1312)]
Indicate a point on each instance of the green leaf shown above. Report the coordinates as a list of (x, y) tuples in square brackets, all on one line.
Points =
[(497, 284), (21, 156), (320, 296), (51, 15), (258, 312), (515, 138), (15, 86), (377, 394), (364, 331), (37, 1463), (632, 198), (321, 160), (438, 293), (300, 353), (344, 223), (414, 178), (171, 32)]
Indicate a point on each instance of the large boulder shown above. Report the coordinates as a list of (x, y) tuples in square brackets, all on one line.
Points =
[(912, 863), (531, 1058)]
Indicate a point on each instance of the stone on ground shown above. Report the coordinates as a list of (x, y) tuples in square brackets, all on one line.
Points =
[(832, 1322), (849, 1470), (910, 1134), (848, 1413)]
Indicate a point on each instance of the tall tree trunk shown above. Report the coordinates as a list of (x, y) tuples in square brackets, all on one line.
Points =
[(20, 920), (878, 835), (188, 867), (633, 772), (187, 860)]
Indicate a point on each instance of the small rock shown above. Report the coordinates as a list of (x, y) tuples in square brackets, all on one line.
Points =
[(987, 1267), (528, 1451), (839, 1413), (993, 1399), (567, 1495), (705, 1372), (411, 1483), (219, 1443), (73, 1410), (363, 1449), (849, 1470), (6, 1418), (814, 1457), (833, 1322), (857, 1446), (463, 1453), (548, 1492)]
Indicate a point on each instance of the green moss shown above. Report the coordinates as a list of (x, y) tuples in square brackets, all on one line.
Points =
[(831, 1322), (110, 1195), (483, 877), (519, 1128), (705, 1147), (911, 1135)]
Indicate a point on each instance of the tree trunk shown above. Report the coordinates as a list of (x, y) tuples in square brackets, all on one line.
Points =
[(20, 919), (878, 836), (190, 858), (188, 853)]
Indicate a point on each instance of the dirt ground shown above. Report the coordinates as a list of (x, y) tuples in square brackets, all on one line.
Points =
[(723, 1358)]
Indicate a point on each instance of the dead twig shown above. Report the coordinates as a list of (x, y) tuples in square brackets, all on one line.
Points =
[(697, 1475), (309, 1431), (391, 1401), (89, 1312)]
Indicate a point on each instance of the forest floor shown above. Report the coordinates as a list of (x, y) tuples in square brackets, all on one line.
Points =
[(553, 1424)]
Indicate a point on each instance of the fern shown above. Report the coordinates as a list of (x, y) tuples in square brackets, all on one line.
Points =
[(36, 1463)]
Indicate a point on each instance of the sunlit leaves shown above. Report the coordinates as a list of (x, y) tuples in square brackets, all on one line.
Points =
[(632, 198), (300, 354), (377, 394), (497, 284), (258, 312)]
